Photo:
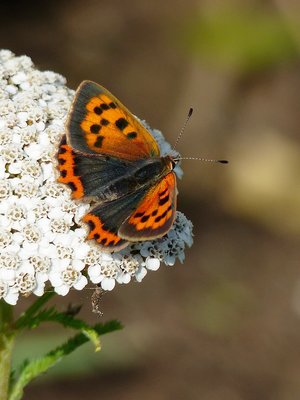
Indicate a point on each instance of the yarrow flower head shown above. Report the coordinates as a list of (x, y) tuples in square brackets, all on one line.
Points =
[(42, 239)]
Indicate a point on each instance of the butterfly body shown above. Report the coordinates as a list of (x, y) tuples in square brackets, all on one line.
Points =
[(107, 154)]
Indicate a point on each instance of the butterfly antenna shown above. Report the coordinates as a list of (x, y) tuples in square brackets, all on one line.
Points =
[(183, 128), (193, 158), (202, 159)]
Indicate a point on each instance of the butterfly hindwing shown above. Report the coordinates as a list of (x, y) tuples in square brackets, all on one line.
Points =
[(99, 124), (155, 214), (105, 219)]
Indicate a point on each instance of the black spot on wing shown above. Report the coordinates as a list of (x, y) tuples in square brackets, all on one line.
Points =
[(62, 150), (121, 123), (95, 128), (104, 122), (145, 218), (91, 225), (72, 186), (161, 194), (99, 141), (139, 214), (157, 219), (164, 200), (98, 111), (131, 135)]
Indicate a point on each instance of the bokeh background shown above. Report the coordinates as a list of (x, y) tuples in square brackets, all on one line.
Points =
[(225, 325)]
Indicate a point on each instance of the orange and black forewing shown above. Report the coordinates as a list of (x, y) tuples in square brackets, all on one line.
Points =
[(100, 124)]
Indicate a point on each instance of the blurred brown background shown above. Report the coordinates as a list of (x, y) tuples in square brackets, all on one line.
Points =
[(225, 325)]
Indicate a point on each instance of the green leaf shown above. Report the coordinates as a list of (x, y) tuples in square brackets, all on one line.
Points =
[(65, 319), (32, 369), (93, 337), (24, 320)]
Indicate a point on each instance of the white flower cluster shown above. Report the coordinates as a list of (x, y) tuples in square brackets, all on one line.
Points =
[(42, 241)]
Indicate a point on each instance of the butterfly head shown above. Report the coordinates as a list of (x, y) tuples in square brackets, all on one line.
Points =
[(171, 162)]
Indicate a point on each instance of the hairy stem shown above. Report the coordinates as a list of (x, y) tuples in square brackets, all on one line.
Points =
[(6, 347)]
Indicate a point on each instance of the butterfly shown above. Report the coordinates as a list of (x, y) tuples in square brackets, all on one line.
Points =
[(109, 156)]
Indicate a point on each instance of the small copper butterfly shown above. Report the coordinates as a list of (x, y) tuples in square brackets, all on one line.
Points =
[(109, 155)]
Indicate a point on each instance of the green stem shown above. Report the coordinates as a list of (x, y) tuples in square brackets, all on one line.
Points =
[(38, 366), (6, 347)]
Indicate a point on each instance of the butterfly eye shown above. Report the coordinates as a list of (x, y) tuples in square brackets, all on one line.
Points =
[(174, 163), (170, 162)]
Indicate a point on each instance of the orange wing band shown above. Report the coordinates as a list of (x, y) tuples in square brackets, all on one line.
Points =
[(107, 239), (66, 165)]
